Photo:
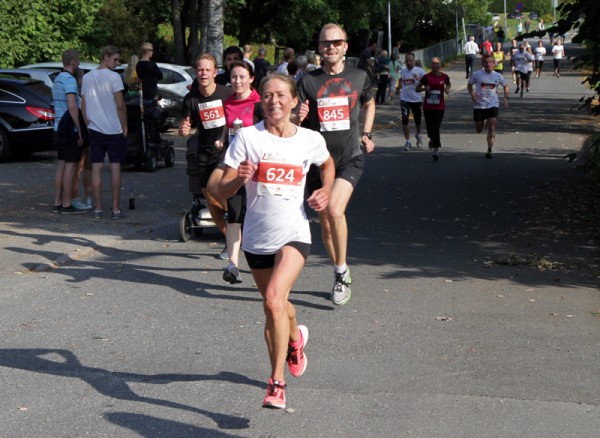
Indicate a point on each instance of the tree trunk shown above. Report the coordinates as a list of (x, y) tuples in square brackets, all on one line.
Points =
[(193, 40), (213, 17), (177, 32), (204, 18)]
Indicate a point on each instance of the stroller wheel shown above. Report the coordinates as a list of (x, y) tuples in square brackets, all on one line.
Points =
[(184, 227), (170, 157), (151, 160)]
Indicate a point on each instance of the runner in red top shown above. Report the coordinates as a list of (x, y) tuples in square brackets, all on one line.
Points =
[(436, 85)]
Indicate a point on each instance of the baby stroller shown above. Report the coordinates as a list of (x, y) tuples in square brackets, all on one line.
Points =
[(198, 217), (145, 146)]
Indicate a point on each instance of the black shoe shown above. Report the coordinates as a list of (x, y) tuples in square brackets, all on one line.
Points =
[(436, 156), (56, 209), (517, 90), (71, 210)]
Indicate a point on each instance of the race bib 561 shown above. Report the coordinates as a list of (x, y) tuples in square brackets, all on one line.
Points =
[(211, 114)]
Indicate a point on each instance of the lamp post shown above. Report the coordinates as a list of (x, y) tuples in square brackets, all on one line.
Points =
[(456, 19), (389, 17), (505, 20)]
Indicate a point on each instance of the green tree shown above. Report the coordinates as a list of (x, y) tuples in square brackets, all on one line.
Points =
[(44, 30), (583, 16), (125, 23)]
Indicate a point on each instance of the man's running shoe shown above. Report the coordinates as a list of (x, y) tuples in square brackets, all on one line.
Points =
[(517, 90), (407, 145), (117, 215), (231, 274), (71, 210), (224, 255), (89, 202), (296, 359), (341, 288), (488, 154), (419, 141), (275, 397), (80, 205)]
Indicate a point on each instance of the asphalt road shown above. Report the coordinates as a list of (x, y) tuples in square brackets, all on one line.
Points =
[(474, 310)]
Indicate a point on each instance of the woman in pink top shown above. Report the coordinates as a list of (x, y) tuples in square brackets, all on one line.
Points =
[(241, 109), (436, 84)]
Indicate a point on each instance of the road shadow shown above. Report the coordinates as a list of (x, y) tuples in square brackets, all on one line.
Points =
[(64, 363), (150, 427)]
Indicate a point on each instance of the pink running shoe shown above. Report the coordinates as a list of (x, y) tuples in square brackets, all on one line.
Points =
[(296, 359), (275, 397)]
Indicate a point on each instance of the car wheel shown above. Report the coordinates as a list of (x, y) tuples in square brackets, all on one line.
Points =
[(184, 227), (4, 146), (151, 161), (170, 157)]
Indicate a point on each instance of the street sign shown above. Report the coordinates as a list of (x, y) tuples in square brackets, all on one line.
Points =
[(519, 6)]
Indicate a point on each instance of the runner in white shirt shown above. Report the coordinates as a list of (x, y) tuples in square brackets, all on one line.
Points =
[(271, 159), (483, 88), (410, 99), (521, 59), (558, 53), (539, 53)]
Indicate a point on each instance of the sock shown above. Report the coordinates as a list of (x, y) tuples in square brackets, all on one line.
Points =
[(340, 269)]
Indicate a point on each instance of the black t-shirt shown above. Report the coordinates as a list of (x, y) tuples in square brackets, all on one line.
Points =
[(208, 115), (334, 106), (224, 78), (261, 68), (149, 73), (362, 63)]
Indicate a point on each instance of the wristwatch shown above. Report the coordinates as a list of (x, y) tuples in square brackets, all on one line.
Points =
[(368, 135)]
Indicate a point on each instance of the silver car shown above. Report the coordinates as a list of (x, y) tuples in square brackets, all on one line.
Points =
[(176, 78), (47, 76)]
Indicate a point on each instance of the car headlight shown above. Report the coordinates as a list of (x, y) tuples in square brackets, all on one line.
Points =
[(167, 103)]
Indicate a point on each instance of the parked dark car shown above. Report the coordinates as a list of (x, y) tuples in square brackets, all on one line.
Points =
[(533, 15), (26, 117), (515, 14), (170, 104)]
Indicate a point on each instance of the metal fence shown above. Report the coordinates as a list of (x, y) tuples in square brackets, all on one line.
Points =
[(444, 51)]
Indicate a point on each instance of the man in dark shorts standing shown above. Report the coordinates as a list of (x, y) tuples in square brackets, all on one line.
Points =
[(104, 111), (483, 88), (333, 94), (68, 134), (203, 109)]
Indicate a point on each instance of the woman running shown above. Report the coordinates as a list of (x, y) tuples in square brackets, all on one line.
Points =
[(271, 160)]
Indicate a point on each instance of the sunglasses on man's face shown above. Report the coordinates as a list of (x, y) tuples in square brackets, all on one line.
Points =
[(334, 43)]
